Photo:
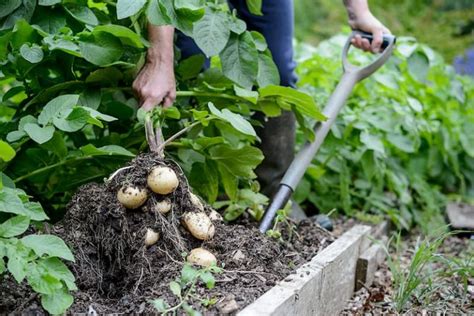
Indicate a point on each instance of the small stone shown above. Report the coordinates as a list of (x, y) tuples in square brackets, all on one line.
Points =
[(91, 311), (270, 283), (228, 305), (238, 255), (460, 215), (470, 289)]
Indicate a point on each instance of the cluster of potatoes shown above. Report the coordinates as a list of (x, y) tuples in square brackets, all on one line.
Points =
[(163, 180)]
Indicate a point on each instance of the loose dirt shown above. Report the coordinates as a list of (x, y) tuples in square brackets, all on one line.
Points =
[(116, 273)]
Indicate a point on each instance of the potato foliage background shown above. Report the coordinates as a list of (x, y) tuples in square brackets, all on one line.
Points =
[(402, 145)]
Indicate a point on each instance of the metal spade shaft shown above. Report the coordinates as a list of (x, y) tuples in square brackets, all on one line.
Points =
[(352, 75)]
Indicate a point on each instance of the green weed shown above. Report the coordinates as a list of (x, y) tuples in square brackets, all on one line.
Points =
[(184, 288), (417, 281)]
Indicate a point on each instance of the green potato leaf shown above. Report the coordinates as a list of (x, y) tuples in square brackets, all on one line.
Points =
[(39, 134), (238, 162), (58, 302), (34, 54), (267, 71), (240, 60), (48, 244), (101, 48), (54, 107), (14, 226), (255, 6), (212, 32), (236, 120), (127, 36), (7, 153), (8, 6), (82, 14), (127, 8)]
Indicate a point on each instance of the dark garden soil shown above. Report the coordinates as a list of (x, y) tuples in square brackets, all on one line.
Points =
[(117, 273)]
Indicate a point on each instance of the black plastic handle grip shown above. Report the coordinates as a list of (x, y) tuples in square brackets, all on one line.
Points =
[(387, 38)]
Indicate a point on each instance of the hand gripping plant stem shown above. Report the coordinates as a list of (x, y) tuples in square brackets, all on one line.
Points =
[(352, 75)]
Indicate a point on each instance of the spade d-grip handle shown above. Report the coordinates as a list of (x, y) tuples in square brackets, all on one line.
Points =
[(363, 72)]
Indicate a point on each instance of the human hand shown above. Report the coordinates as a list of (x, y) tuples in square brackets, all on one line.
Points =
[(155, 85), (368, 23)]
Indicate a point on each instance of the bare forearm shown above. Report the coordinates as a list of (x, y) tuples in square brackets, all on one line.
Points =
[(155, 83), (360, 18), (356, 8), (161, 48)]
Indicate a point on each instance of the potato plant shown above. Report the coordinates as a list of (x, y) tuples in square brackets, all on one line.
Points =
[(403, 144), (36, 258), (69, 114)]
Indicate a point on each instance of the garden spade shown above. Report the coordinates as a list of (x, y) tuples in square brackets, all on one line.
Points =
[(351, 76)]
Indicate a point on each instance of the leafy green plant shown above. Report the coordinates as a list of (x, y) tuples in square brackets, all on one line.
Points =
[(401, 145), (34, 257), (282, 219), (69, 113), (184, 289), (423, 270), (247, 201)]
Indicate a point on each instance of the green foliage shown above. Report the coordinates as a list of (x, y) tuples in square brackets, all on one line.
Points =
[(34, 257), (184, 289), (403, 142), (68, 116), (282, 221), (246, 200)]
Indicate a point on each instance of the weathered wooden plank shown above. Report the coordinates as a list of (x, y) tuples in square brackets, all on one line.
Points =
[(367, 264), (320, 287)]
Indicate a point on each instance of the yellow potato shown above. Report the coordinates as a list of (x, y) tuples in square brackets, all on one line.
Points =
[(163, 207), (201, 257), (215, 217), (151, 237), (196, 201), (132, 197), (199, 225), (162, 180)]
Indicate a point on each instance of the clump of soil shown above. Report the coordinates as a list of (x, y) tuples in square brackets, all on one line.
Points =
[(116, 273)]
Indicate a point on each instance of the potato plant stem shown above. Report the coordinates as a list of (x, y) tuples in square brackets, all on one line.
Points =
[(150, 133), (210, 95), (173, 137)]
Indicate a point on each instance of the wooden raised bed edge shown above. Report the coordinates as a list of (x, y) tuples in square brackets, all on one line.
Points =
[(323, 285)]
